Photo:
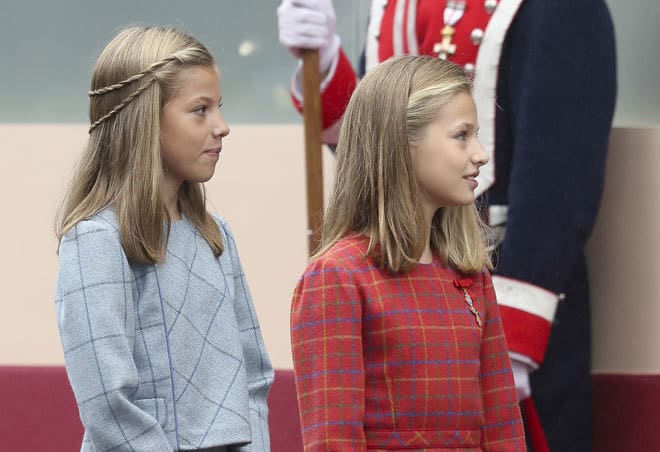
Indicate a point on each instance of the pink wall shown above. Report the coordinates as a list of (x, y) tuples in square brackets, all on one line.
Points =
[(259, 188)]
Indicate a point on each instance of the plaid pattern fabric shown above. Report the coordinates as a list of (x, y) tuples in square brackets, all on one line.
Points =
[(387, 362), (161, 357)]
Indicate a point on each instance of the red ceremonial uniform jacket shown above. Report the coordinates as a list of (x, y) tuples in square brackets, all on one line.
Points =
[(389, 362)]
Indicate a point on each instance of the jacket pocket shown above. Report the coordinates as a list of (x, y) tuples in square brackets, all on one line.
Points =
[(156, 407)]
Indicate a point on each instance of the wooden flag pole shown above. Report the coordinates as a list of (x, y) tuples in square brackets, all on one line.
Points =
[(313, 156)]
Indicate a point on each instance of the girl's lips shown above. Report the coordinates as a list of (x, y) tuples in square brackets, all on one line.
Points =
[(473, 182), (213, 153)]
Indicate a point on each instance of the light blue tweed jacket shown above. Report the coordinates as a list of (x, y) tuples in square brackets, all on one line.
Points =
[(161, 357)]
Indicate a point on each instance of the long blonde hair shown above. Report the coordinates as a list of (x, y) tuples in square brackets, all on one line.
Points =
[(121, 166), (376, 191)]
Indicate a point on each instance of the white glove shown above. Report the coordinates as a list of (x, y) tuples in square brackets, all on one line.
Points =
[(309, 24), (521, 379)]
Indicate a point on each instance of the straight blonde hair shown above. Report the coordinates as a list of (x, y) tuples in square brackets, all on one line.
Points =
[(376, 192), (121, 167)]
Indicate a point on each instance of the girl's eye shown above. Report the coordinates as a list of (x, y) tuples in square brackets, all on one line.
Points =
[(461, 135), (200, 110), (220, 105)]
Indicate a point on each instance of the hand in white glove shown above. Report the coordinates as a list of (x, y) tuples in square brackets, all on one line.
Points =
[(521, 378), (309, 24)]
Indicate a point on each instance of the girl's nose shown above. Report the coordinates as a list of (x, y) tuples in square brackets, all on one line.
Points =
[(480, 157), (220, 129)]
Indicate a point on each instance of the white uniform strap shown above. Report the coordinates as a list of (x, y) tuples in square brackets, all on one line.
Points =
[(485, 84)]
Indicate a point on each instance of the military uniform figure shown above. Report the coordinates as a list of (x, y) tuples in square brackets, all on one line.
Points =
[(544, 76)]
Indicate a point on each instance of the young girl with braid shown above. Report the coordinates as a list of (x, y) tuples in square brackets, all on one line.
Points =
[(160, 336), (397, 340)]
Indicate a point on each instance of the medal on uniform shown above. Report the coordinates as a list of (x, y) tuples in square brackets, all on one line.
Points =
[(452, 14)]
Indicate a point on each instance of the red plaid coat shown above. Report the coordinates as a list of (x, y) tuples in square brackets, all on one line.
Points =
[(387, 362)]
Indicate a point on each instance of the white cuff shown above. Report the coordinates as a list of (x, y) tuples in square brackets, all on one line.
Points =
[(525, 297), (296, 78), (523, 359), (521, 381)]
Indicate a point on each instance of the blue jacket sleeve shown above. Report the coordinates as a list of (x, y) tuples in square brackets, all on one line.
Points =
[(94, 304), (259, 370), (557, 88)]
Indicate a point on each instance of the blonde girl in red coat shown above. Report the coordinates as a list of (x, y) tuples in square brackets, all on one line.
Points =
[(396, 335)]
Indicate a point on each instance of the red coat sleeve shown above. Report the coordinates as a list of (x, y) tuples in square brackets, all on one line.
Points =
[(336, 91), (553, 122)]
